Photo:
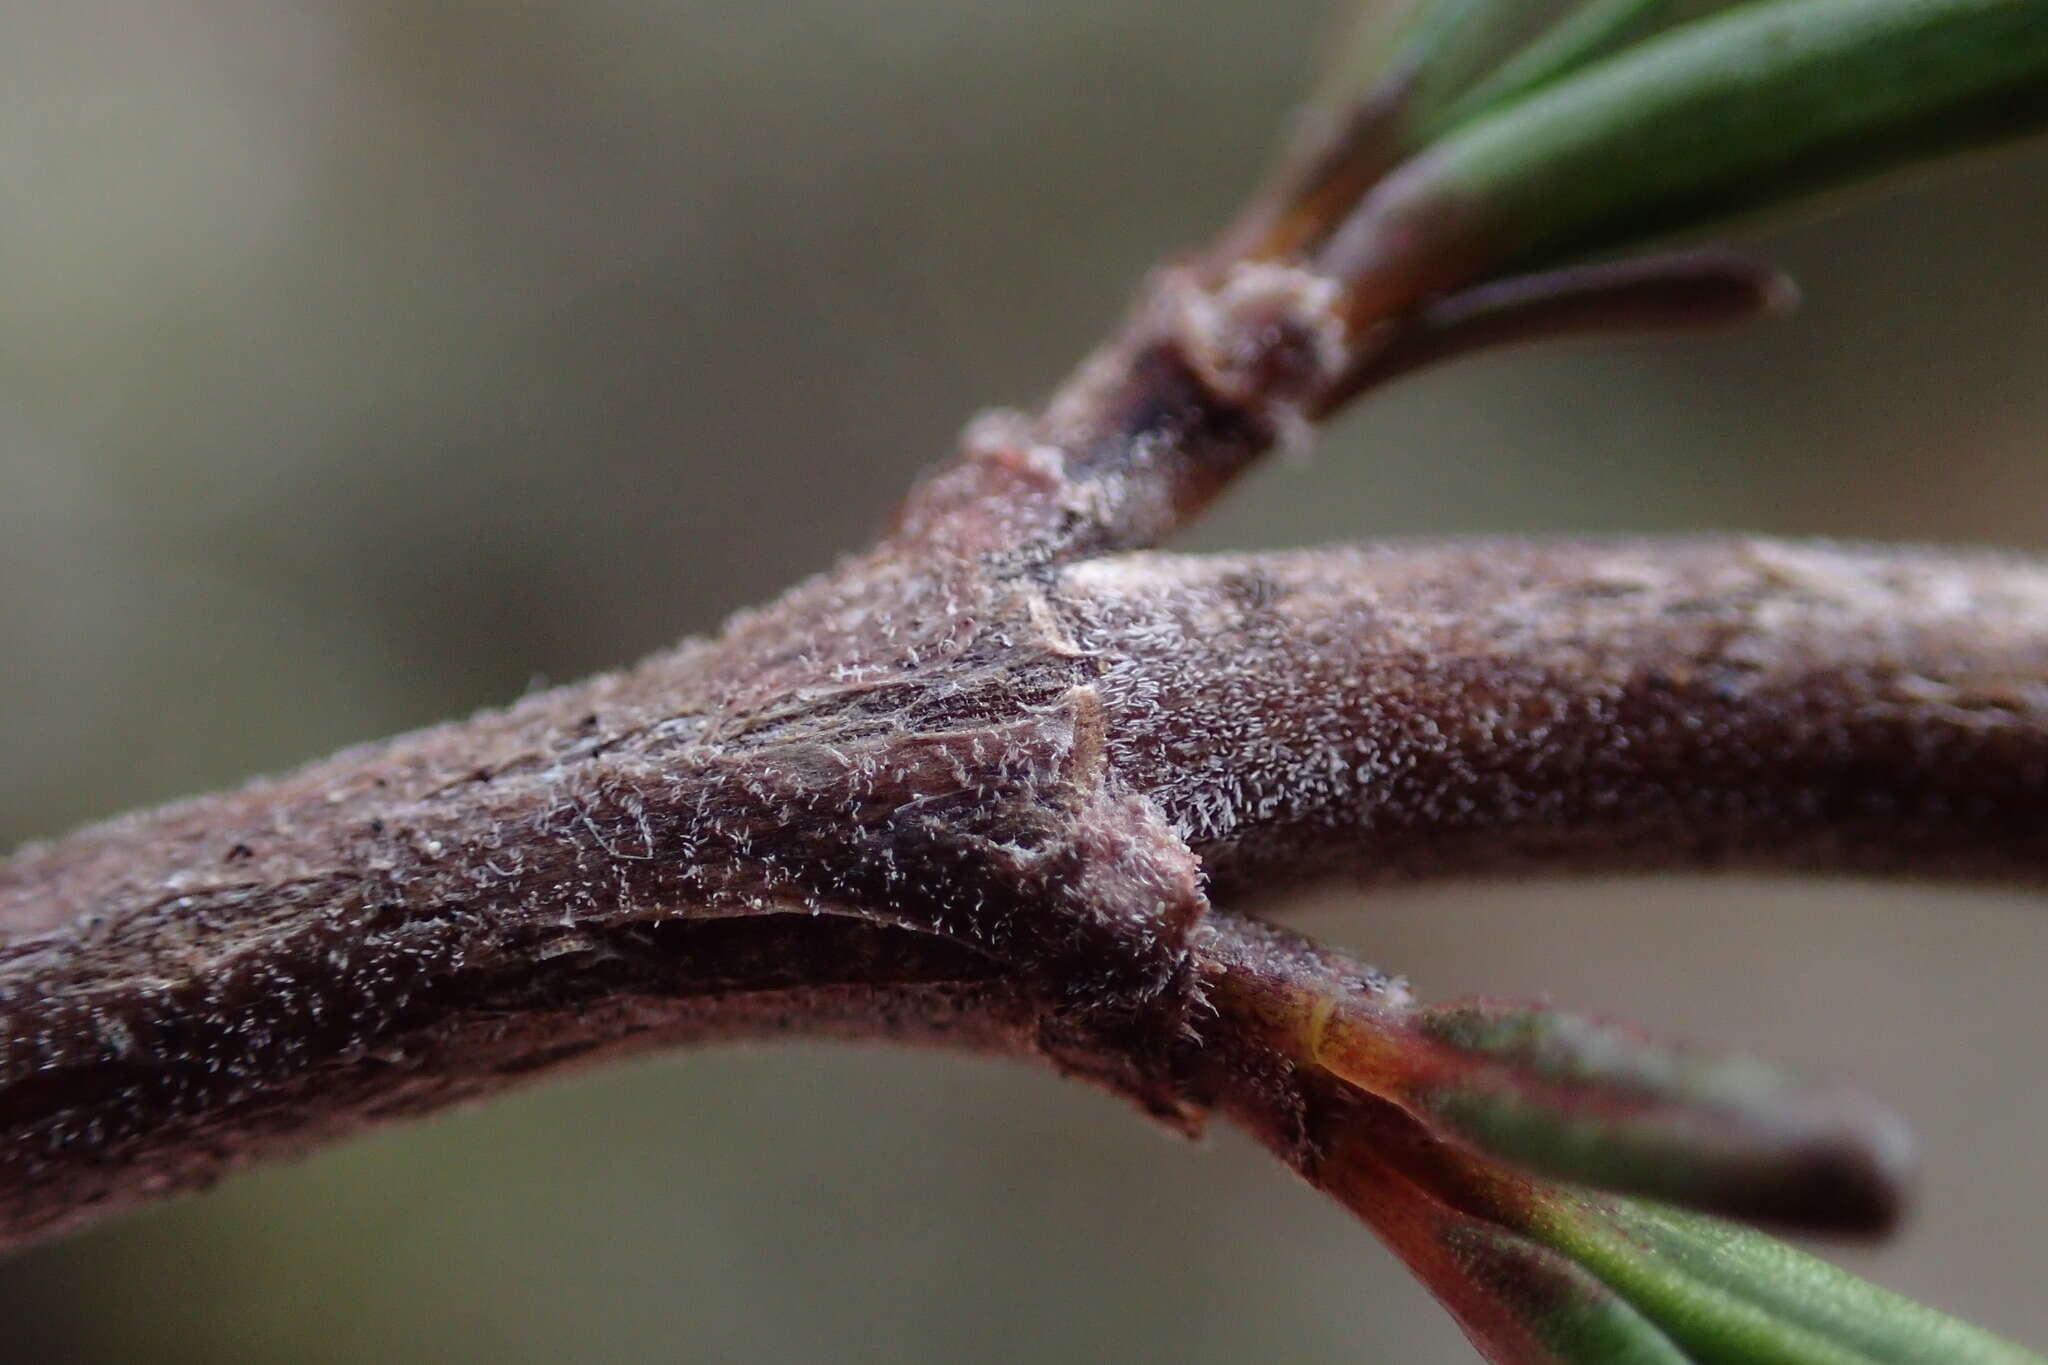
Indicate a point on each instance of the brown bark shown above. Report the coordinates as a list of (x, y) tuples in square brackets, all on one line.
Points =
[(989, 811), (999, 782)]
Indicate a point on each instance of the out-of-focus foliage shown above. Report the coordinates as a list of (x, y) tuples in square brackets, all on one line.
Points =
[(360, 361)]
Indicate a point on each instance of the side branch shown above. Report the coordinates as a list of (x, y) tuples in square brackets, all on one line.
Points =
[(1464, 190), (1413, 710)]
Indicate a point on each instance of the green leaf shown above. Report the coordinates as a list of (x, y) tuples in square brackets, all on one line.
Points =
[(1727, 114), (1564, 1315), (1767, 101), (1547, 1274), (1601, 1103), (1440, 51), (1588, 32), (1731, 1296)]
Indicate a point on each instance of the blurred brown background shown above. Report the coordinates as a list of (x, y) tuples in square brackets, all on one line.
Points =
[(363, 361)]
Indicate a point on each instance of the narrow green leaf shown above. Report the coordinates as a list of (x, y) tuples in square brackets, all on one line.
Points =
[(1559, 1313), (1719, 116), (1732, 1296), (1591, 31), (1548, 1274), (1434, 50), (1603, 1104), (1456, 45)]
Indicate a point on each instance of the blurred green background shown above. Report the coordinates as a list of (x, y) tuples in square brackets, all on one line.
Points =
[(364, 361)]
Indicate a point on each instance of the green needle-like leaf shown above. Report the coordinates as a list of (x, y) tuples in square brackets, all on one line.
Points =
[(1546, 1274), (1590, 31), (1567, 1315), (1445, 49), (1725, 114), (1602, 1104), (1731, 1296), (1766, 101)]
